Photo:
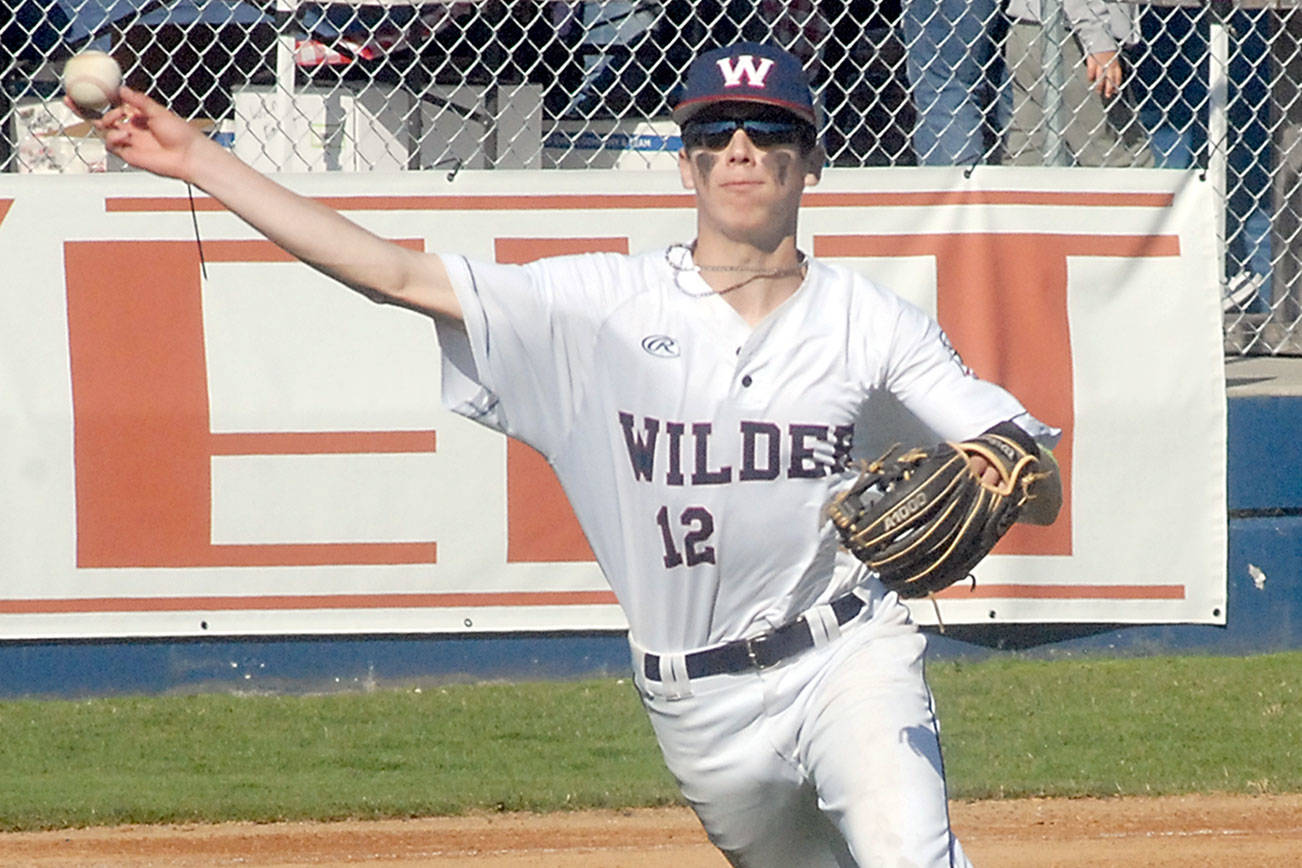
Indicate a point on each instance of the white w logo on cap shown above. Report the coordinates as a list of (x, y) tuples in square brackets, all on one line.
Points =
[(745, 65)]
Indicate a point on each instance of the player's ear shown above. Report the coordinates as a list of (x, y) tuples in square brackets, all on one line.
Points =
[(814, 161), (685, 170)]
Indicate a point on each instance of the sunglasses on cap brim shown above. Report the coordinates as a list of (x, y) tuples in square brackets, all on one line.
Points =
[(716, 134)]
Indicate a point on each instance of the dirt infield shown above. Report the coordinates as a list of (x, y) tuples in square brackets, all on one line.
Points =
[(1243, 831)]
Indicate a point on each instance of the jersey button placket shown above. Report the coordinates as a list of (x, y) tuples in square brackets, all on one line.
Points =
[(743, 377)]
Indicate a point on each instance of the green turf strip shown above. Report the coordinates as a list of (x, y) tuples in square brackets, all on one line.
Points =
[(1159, 725), (1011, 727)]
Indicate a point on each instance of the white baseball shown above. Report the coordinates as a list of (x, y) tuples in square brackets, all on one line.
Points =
[(91, 79)]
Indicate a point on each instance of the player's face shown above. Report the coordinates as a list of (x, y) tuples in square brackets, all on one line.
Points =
[(748, 164)]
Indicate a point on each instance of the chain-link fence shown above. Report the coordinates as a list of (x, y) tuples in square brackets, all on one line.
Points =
[(387, 85)]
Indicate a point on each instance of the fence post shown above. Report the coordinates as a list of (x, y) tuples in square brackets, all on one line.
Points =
[(1054, 34), (1218, 64), (283, 101)]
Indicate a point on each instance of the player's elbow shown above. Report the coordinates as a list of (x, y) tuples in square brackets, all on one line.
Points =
[(411, 280)]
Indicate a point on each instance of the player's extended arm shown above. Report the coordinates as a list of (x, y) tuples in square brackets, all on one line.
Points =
[(148, 136)]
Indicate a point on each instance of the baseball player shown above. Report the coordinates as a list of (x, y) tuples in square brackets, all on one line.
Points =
[(700, 405)]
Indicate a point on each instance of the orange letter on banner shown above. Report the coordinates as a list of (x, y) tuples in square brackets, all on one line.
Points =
[(143, 443), (540, 523), (1002, 299)]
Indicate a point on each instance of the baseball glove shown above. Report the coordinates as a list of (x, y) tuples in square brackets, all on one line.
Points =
[(922, 519)]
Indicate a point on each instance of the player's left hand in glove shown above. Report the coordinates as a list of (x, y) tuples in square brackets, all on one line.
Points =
[(923, 518)]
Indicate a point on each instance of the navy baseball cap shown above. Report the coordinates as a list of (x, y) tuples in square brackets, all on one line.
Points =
[(746, 72)]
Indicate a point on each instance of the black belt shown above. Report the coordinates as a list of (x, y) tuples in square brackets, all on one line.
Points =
[(758, 652)]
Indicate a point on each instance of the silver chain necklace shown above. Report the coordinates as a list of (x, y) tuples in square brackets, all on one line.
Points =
[(689, 251)]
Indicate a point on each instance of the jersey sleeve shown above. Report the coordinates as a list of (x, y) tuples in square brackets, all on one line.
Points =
[(929, 377), (516, 360)]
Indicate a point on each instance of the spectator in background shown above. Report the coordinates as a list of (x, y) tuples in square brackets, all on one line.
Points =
[(634, 51), (1170, 92), (956, 76), (865, 94), (799, 26), (728, 21), (852, 55), (618, 49), (1094, 126)]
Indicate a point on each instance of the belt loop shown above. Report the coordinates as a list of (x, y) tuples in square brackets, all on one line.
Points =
[(639, 661), (823, 627), (673, 676)]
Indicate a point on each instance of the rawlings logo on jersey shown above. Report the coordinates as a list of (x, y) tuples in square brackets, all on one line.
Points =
[(661, 346), (681, 452)]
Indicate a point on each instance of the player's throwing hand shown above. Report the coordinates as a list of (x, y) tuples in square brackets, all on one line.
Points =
[(148, 136)]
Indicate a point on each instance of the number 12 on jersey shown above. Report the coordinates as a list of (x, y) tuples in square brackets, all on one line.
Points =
[(698, 527)]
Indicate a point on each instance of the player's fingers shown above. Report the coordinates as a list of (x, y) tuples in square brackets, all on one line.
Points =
[(134, 97), (113, 129), (117, 123), (117, 137), (984, 470), (135, 104), (110, 118)]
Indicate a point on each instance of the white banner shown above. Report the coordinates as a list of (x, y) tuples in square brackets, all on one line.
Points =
[(239, 446)]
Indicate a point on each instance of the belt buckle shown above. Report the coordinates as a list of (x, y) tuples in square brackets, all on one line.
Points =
[(756, 642)]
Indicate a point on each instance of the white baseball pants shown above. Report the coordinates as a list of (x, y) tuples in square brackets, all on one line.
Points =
[(830, 758)]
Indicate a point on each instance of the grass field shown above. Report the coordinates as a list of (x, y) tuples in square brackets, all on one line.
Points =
[(1011, 727)]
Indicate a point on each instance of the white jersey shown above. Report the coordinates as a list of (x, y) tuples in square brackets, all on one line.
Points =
[(698, 452)]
